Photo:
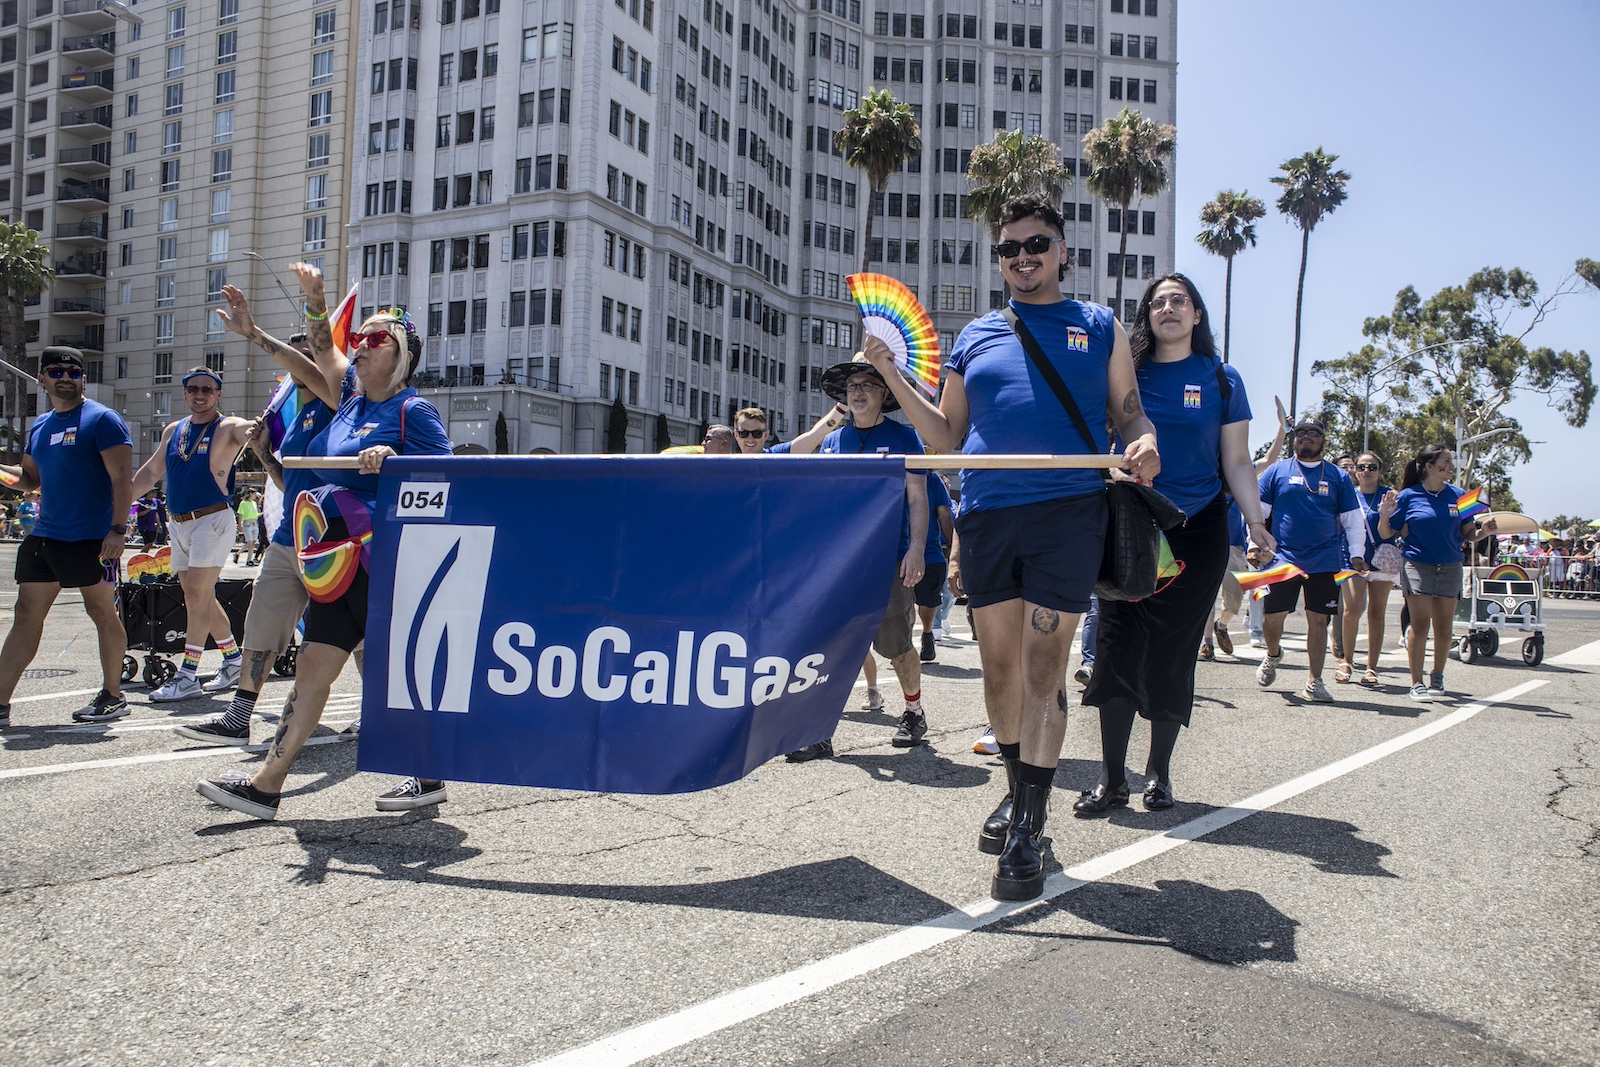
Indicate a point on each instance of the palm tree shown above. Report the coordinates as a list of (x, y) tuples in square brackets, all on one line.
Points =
[(1229, 222), (1129, 157), (1013, 165), (24, 272), (878, 137), (1312, 189)]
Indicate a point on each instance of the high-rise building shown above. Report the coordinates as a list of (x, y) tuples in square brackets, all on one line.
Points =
[(165, 150), (625, 201)]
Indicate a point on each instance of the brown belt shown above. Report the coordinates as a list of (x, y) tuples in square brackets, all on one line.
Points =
[(189, 516)]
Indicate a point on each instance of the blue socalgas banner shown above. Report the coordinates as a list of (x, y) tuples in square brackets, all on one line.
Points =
[(643, 625)]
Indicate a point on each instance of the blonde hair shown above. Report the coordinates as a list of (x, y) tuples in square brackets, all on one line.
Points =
[(404, 358)]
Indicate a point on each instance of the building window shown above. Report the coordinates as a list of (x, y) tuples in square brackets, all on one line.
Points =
[(316, 192), (227, 47), (222, 165), (322, 108), (322, 67), (219, 246), (227, 12), (317, 147), (175, 61), (322, 28), (225, 79), (169, 175), (316, 233), (222, 127)]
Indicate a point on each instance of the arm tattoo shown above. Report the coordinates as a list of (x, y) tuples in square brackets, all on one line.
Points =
[(283, 726), (1045, 621), (321, 338), (1130, 403)]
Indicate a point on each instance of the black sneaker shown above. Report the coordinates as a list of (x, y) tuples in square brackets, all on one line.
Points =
[(1081, 676), (105, 708), (913, 724), (240, 796), (215, 732), (5, 716), (412, 793), (927, 648), (820, 750)]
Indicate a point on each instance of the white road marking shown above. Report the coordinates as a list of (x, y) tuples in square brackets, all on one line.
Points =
[(155, 757), (690, 1024), (1582, 656)]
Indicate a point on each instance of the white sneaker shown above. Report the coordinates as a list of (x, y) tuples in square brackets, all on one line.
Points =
[(874, 700), (1268, 671), (1317, 691), (1420, 694), (182, 687), (227, 678), (1258, 642), (986, 745)]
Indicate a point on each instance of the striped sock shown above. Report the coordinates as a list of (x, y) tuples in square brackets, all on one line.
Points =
[(191, 660), (237, 717), (229, 648)]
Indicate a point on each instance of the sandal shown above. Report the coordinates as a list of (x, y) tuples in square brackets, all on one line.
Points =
[(1370, 678), (1343, 673)]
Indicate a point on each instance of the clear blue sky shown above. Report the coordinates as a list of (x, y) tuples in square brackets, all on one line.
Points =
[(1470, 133)]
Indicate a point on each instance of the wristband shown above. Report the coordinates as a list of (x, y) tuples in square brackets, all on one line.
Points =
[(314, 317), (123, 530)]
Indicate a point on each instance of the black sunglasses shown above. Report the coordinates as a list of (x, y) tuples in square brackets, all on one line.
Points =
[(1368, 467), (64, 372), (1037, 245), (753, 433)]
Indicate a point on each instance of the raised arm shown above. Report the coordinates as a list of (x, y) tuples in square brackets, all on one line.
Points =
[(943, 428), (812, 439), (330, 363), (1278, 438), (237, 318), (260, 442)]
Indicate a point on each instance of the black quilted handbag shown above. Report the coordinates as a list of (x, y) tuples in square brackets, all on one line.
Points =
[(1136, 514)]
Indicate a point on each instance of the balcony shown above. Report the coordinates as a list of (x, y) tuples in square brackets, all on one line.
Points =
[(93, 159), (89, 14), (86, 231), (83, 305), (93, 340), (88, 87), (81, 266), (77, 192), (90, 48), (86, 118)]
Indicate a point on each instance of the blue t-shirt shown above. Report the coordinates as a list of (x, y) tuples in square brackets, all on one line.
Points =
[(311, 420), (1306, 504), (361, 424), (779, 449), (75, 499), (886, 438), (1432, 524), (1369, 511), (1184, 402), (938, 497), (1013, 410), (1237, 535)]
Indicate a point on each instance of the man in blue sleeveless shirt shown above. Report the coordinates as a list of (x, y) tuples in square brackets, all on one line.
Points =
[(79, 454), (196, 455)]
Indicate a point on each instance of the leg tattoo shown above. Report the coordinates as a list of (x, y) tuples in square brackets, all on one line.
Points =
[(283, 726), (1061, 700), (258, 665), (1045, 621)]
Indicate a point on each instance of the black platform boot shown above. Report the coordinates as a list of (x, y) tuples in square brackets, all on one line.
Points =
[(992, 838), (1020, 872)]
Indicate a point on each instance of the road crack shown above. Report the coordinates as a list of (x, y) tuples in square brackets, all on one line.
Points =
[(1583, 751)]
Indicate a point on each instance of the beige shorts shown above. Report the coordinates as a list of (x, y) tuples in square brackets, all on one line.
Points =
[(203, 542), (277, 602)]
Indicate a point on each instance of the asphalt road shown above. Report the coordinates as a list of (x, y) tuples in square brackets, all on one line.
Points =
[(1369, 882)]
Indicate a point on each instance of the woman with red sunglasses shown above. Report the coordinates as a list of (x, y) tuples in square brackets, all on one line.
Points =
[(333, 530), (1369, 592), (1146, 650)]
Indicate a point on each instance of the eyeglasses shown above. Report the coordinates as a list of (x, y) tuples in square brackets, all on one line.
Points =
[(752, 433), (64, 372), (372, 338), (1368, 467), (1036, 245), (1175, 301), (200, 390), (861, 387)]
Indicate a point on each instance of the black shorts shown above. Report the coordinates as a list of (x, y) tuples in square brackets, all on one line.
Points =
[(930, 591), (342, 623), (1322, 594), (1047, 553), (71, 564)]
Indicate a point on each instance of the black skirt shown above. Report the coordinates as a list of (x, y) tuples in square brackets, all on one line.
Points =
[(1145, 650)]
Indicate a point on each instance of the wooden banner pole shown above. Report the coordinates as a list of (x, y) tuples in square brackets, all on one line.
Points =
[(913, 463)]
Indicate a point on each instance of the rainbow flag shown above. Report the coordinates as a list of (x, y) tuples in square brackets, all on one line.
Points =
[(1270, 576), (1469, 505), (343, 321), (1343, 576), (282, 410)]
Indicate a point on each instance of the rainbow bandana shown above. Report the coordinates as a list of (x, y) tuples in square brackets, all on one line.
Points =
[(330, 564)]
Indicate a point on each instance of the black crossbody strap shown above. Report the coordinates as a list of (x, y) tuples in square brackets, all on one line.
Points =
[(1051, 376)]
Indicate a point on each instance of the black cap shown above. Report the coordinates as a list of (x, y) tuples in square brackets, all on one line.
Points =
[(1307, 422), (60, 356)]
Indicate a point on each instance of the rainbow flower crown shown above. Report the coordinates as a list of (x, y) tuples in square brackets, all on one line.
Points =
[(400, 316)]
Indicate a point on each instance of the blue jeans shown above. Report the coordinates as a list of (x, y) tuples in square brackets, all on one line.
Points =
[(1091, 624), (947, 600)]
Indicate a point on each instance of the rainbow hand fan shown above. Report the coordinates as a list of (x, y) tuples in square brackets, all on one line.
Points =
[(890, 312)]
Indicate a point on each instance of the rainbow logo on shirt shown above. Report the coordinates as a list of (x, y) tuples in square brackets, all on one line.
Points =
[(368, 428), (69, 436), (1077, 340), (1191, 396)]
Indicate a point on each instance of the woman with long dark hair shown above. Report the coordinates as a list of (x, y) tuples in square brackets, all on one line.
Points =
[(1369, 592), (1425, 515), (1145, 659)]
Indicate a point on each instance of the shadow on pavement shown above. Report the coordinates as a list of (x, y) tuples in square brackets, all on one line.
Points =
[(920, 766), (935, 669), (1221, 925), (37, 738)]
